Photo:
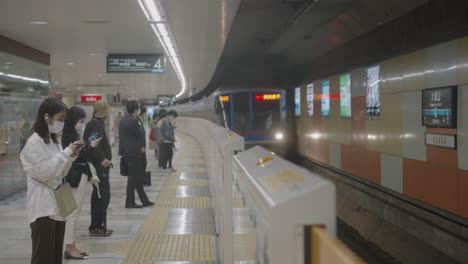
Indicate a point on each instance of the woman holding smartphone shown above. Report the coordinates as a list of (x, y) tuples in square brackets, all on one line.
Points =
[(78, 175), (46, 163)]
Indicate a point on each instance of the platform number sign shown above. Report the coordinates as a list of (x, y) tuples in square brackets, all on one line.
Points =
[(135, 63), (439, 107)]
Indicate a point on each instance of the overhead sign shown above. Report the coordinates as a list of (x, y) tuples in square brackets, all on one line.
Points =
[(135, 63), (444, 141), (90, 98), (439, 107)]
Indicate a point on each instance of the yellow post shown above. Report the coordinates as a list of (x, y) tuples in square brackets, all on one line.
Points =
[(328, 250)]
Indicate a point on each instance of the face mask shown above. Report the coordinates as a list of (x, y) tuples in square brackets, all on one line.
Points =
[(57, 127)]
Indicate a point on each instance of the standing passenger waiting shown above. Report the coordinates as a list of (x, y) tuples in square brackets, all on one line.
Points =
[(78, 175), (158, 128), (132, 147), (168, 140), (101, 157), (46, 163)]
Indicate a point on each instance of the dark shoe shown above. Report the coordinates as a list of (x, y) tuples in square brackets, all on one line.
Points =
[(133, 206), (148, 204), (107, 231), (100, 232), (67, 255), (84, 254)]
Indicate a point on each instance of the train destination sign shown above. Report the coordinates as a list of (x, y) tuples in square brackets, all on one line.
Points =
[(439, 107), (135, 63)]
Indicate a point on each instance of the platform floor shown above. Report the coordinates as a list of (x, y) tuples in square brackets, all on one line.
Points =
[(179, 229)]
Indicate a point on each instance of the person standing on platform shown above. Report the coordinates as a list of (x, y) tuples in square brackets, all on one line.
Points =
[(101, 157), (132, 146), (46, 163), (78, 175), (168, 140), (158, 127)]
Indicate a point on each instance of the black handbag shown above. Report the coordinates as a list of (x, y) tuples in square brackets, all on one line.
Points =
[(123, 167), (73, 176)]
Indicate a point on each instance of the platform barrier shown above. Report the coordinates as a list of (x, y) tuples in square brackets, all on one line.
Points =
[(267, 210)]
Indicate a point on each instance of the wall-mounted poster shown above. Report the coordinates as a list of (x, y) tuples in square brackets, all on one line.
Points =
[(297, 101), (439, 107), (310, 99), (345, 95), (373, 92), (326, 98)]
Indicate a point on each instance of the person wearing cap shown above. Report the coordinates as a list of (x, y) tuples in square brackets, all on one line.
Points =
[(100, 157)]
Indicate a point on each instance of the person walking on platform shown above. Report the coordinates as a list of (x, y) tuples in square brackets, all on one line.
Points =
[(168, 139), (46, 163), (132, 147), (78, 175), (100, 157)]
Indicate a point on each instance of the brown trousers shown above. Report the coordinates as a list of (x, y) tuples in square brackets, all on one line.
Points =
[(47, 241)]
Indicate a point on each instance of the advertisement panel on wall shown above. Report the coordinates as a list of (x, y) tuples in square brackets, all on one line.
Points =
[(310, 99), (373, 92), (325, 98), (345, 95), (297, 101), (439, 107)]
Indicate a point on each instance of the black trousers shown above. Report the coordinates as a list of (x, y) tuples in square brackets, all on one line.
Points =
[(136, 173), (165, 157), (99, 206), (47, 241)]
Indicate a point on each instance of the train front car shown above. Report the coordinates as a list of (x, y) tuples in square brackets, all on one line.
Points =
[(257, 115)]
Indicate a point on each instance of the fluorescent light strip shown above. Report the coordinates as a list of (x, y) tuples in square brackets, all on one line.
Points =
[(154, 13), (13, 76)]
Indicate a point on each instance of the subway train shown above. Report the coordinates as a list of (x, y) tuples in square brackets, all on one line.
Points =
[(259, 115)]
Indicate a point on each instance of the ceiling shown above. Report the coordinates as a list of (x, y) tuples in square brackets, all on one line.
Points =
[(269, 39), (80, 34)]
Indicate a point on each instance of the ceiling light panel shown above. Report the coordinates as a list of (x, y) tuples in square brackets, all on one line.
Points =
[(154, 12)]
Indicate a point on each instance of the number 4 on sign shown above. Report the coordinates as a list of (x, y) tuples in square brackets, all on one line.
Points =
[(157, 65)]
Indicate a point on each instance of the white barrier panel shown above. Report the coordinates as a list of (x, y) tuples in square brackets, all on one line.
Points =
[(283, 199), (218, 146)]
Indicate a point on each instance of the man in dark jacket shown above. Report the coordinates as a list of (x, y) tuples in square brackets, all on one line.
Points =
[(100, 157), (132, 147)]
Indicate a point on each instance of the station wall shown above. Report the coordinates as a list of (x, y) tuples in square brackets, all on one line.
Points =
[(390, 150)]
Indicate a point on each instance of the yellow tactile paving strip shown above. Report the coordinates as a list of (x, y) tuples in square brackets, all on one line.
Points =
[(149, 248), (183, 202), (244, 247), (152, 245), (155, 221)]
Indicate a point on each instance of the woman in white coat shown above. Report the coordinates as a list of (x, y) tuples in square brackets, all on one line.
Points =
[(46, 163)]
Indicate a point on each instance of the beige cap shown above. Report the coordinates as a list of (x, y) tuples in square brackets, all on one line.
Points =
[(101, 109)]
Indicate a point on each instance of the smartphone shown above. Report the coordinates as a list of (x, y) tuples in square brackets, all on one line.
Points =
[(80, 147)]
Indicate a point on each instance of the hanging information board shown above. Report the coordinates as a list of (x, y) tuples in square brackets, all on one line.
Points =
[(135, 63)]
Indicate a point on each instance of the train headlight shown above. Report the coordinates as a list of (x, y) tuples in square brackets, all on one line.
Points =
[(279, 136)]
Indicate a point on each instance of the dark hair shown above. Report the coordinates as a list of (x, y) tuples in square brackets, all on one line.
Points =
[(162, 113), (50, 106), (173, 113), (74, 115), (132, 106)]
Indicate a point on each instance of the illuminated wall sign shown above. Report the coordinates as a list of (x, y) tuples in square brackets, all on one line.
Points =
[(373, 92), (224, 98), (267, 97), (345, 95), (90, 98), (135, 63), (444, 141), (439, 107), (326, 98), (297, 101), (310, 99)]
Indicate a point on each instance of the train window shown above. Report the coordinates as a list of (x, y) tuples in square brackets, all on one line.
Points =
[(241, 115), (266, 114)]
